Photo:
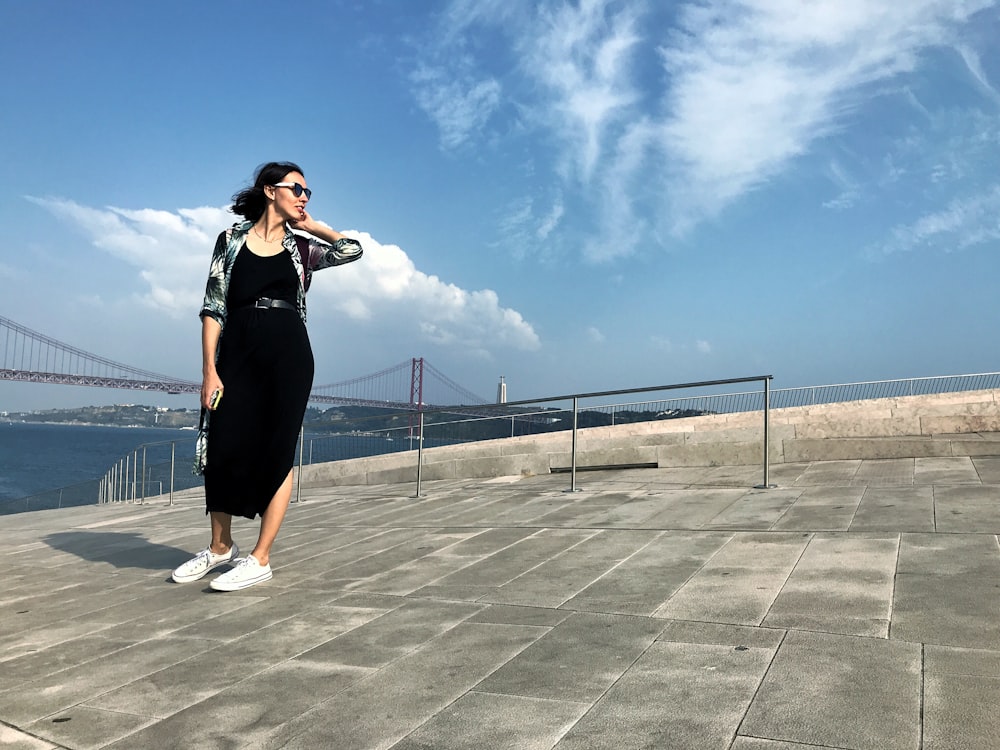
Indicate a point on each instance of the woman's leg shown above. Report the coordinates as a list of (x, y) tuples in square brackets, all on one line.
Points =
[(271, 520), (222, 537)]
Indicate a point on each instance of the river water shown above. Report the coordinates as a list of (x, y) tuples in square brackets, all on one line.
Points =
[(55, 465), (36, 458)]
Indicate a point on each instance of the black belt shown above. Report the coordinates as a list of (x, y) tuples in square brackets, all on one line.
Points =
[(265, 303)]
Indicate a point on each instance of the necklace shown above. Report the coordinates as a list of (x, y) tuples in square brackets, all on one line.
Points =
[(276, 239)]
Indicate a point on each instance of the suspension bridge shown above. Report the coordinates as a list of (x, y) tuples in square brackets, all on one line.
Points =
[(30, 356)]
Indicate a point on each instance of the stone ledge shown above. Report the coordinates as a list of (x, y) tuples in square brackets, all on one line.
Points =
[(909, 427)]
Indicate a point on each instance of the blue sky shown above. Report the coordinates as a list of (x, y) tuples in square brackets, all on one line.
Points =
[(576, 195)]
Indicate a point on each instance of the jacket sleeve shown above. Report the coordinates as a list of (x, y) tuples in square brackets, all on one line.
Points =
[(215, 290), (322, 255)]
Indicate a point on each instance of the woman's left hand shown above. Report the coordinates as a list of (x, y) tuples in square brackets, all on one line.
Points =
[(304, 223), (316, 229)]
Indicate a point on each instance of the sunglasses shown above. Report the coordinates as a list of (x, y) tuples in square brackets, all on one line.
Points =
[(296, 188)]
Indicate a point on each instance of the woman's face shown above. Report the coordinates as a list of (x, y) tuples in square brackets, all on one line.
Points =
[(288, 205)]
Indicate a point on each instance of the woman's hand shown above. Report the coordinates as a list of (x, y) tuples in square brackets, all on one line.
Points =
[(209, 385), (305, 222), (313, 227)]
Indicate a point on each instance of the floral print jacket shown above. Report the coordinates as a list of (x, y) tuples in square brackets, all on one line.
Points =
[(229, 243)]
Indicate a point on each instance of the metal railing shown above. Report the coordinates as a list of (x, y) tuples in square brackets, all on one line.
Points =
[(872, 389), (167, 464), (577, 397)]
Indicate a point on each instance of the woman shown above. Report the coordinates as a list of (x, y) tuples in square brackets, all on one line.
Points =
[(256, 353)]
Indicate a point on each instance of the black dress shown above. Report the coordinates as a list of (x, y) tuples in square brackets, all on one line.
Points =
[(265, 363)]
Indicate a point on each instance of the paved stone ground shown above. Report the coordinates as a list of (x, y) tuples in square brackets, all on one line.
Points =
[(855, 606)]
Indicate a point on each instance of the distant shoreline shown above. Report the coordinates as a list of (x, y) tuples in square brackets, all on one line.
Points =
[(74, 423)]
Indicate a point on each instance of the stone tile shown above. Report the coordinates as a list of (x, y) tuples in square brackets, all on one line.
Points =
[(391, 636), (758, 743), (322, 562), (988, 469), (488, 542), (51, 693), (735, 476), (512, 561), (61, 656), (676, 695), (842, 584), (630, 513), (960, 711), (739, 584), (179, 686), (248, 714), (391, 703), (714, 634), (404, 554), (950, 470), (829, 472), (976, 662), (967, 509), (692, 508), (895, 509), (510, 615), (13, 739), (822, 509), (760, 510), (498, 722), (970, 555), (820, 690), (897, 471), (948, 590), (644, 581), (582, 506), (565, 575), (577, 660), (85, 728)]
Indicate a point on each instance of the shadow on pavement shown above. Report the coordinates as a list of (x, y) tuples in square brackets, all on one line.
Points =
[(120, 549)]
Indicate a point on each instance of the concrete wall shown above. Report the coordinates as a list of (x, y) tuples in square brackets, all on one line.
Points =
[(910, 426)]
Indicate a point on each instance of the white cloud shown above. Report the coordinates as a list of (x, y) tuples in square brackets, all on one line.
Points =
[(386, 284), (850, 192), (171, 253), (551, 221), (595, 335), (458, 104), (661, 343), (581, 55), (755, 82), (703, 346), (975, 66), (746, 88), (168, 249), (9, 273), (965, 222)]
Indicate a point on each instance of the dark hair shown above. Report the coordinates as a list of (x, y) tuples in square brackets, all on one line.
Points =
[(250, 202)]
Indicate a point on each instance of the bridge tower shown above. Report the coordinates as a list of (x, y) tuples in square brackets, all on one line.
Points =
[(416, 387), (417, 383)]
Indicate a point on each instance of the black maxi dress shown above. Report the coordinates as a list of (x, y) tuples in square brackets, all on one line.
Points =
[(265, 363)]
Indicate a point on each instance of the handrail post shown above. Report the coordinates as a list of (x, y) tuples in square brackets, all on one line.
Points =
[(298, 484), (572, 471), (143, 500), (173, 451), (420, 451), (767, 442)]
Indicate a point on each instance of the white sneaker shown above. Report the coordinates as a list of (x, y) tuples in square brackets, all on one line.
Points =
[(246, 573), (203, 563)]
